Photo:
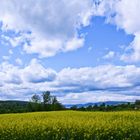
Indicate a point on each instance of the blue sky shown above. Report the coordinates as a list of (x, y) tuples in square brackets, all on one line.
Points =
[(79, 50)]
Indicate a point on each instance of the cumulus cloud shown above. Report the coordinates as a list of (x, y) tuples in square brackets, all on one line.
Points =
[(108, 80), (100, 77), (9, 74), (47, 27), (109, 55), (33, 73), (36, 73), (95, 96), (18, 61), (124, 14), (52, 26)]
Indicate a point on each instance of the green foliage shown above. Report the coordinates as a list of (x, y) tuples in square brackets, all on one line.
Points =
[(13, 106), (71, 125), (50, 103), (104, 107), (46, 97), (35, 98), (137, 102)]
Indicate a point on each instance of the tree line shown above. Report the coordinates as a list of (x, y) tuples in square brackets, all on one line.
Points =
[(47, 102), (44, 102), (104, 107)]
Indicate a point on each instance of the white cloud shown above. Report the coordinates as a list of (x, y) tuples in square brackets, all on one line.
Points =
[(96, 96), (134, 51), (46, 27), (100, 77), (10, 51), (54, 26), (90, 49), (5, 57), (9, 74), (109, 55), (17, 82), (19, 61), (36, 73), (125, 15)]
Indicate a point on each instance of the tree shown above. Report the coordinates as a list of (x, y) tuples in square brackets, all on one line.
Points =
[(95, 107), (82, 108), (46, 100), (89, 108), (49, 103), (35, 98), (46, 97), (102, 107), (55, 104), (137, 102), (74, 107), (35, 103)]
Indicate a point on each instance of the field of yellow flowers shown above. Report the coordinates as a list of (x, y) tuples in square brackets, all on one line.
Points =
[(70, 125)]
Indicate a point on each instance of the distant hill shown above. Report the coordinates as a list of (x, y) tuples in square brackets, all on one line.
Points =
[(22, 103), (98, 103), (11, 106)]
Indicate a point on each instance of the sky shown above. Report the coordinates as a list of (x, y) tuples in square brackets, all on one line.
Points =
[(80, 50)]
